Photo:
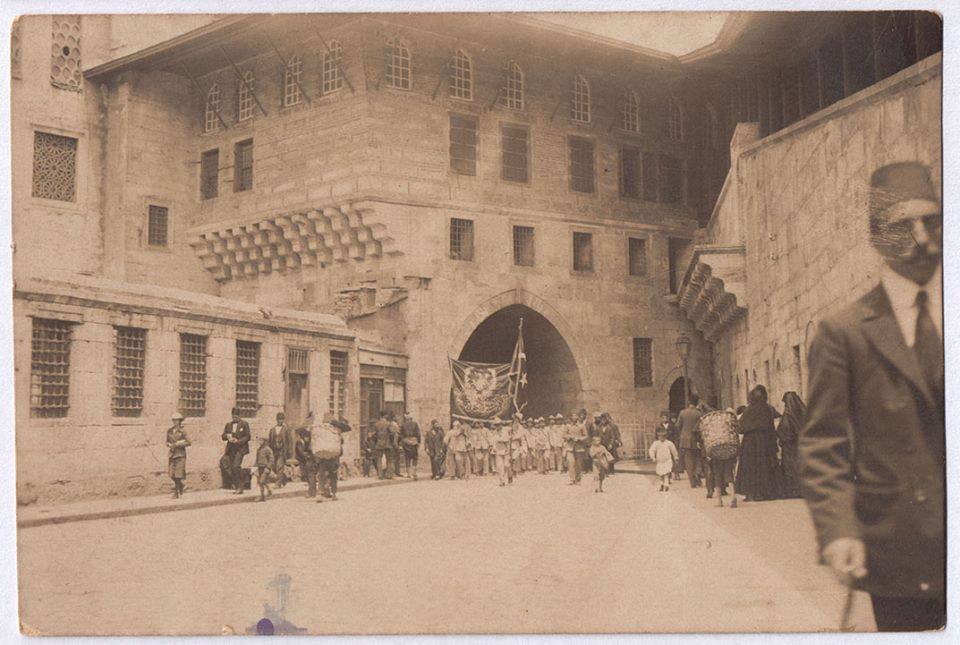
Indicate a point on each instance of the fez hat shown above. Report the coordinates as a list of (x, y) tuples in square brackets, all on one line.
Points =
[(177, 417), (903, 189), (235, 412)]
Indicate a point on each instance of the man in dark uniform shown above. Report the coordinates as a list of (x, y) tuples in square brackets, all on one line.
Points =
[(872, 451), (237, 435)]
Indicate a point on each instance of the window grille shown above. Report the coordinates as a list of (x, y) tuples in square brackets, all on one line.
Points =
[(642, 362), (398, 64), (210, 174), (514, 150), (193, 375), (297, 361), (54, 167), (638, 256), (580, 106), (50, 368), (512, 94), (463, 144), (338, 383), (648, 171), (211, 117), (582, 252), (629, 172), (523, 246), (461, 77), (65, 69), (630, 112), (243, 166), (248, 378), (675, 122), (581, 165), (157, 226), (671, 177), (128, 371), (292, 77), (332, 74), (245, 102), (461, 239)]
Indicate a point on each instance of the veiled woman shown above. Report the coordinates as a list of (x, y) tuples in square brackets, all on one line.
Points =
[(788, 430), (758, 475)]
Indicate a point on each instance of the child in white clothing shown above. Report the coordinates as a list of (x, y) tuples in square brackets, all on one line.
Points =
[(664, 455)]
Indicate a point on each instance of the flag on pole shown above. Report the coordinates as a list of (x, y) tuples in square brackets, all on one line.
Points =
[(481, 391), (518, 370)]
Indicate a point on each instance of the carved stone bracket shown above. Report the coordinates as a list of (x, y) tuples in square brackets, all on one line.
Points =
[(711, 285)]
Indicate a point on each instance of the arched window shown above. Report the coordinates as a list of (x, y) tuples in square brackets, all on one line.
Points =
[(675, 121), (630, 112), (332, 76), (245, 97), (580, 106), (211, 122), (292, 76), (398, 64), (461, 76), (511, 96)]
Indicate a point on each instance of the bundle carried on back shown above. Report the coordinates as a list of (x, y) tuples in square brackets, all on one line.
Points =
[(718, 430)]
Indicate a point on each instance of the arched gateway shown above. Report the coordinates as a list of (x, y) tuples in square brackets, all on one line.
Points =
[(553, 370)]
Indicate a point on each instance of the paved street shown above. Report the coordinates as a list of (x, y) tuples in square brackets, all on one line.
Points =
[(539, 556)]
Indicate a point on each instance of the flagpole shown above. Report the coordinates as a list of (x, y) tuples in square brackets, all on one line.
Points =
[(517, 365)]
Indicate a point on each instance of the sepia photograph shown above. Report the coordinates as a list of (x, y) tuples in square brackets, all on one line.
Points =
[(435, 322)]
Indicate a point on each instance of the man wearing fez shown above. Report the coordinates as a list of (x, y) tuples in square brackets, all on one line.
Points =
[(237, 435), (872, 450)]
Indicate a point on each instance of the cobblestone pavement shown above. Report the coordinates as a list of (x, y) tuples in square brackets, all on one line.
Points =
[(538, 556)]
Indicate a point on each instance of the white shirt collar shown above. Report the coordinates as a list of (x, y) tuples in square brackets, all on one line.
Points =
[(902, 293)]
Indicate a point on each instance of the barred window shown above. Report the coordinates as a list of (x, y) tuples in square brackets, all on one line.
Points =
[(583, 252), (157, 225), (245, 102), (65, 69), (248, 378), (523, 246), (461, 239), (210, 174), (580, 105), (461, 76), (630, 112), (512, 94), (671, 180), (399, 71), (581, 165), (630, 172), (54, 167), (193, 375), (675, 121), (463, 144), (514, 152), (128, 371), (50, 368), (332, 73), (297, 361), (211, 110), (292, 77), (243, 166), (338, 383), (649, 174), (637, 252), (642, 362)]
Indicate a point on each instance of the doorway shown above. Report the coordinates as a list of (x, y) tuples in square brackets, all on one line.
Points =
[(296, 402), (371, 403)]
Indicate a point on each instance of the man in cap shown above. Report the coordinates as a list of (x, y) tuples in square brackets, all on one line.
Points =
[(872, 450), (410, 438), (237, 435)]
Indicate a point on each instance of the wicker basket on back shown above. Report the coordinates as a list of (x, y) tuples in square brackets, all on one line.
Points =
[(719, 432)]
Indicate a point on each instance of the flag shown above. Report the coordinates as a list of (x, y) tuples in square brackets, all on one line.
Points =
[(481, 391), (518, 370)]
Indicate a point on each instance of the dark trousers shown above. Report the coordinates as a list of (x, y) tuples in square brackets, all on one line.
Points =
[(236, 470), (383, 460), (436, 465), (909, 614), (309, 470), (328, 472), (691, 463)]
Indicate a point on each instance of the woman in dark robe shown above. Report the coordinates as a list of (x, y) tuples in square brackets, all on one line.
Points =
[(788, 430), (758, 475)]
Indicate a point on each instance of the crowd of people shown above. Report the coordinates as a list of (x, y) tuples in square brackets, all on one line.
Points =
[(763, 463)]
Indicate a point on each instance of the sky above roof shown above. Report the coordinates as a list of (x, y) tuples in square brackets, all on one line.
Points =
[(675, 32)]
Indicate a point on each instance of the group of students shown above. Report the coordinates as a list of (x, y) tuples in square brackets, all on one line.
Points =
[(763, 465), (311, 451)]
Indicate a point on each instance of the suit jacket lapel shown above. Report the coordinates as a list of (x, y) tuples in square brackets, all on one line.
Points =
[(882, 331)]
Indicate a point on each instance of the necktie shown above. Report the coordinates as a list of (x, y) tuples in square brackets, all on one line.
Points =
[(929, 348)]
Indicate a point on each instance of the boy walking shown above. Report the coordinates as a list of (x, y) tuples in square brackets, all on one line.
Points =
[(601, 459)]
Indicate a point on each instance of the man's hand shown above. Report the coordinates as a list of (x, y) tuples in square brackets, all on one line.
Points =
[(848, 559)]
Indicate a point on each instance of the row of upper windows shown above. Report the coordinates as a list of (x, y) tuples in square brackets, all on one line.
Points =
[(524, 254), (398, 73)]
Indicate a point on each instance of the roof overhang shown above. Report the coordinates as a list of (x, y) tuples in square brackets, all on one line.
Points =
[(712, 292)]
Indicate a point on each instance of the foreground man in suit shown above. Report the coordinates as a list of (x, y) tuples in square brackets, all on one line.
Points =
[(872, 450)]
